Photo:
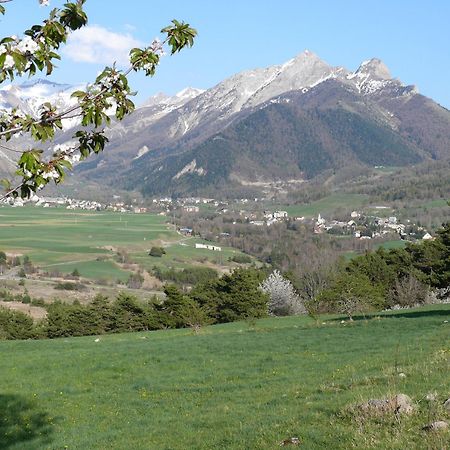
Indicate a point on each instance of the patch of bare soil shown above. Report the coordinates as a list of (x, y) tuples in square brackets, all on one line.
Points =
[(36, 312)]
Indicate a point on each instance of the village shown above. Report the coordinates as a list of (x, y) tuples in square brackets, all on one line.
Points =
[(358, 224)]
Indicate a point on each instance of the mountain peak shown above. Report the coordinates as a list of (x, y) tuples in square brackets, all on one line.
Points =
[(375, 68)]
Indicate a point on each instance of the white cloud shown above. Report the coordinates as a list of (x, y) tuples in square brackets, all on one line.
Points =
[(97, 45)]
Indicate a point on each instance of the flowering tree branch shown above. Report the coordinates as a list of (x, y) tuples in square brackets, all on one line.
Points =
[(108, 95)]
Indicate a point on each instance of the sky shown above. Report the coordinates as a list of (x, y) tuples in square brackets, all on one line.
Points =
[(412, 37)]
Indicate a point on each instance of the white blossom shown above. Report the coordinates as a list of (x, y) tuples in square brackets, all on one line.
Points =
[(283, 298), (27, 45), (50, 175), (157, 47), (9, 62)]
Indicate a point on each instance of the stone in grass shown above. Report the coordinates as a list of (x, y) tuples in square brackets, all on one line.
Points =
[(290, 441), (438, 425), (447, 404), (398, 404)]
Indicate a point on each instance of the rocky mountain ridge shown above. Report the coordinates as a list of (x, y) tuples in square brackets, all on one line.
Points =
[(170, 143)]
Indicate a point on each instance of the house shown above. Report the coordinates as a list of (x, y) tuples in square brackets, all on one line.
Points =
[(392, 220), (214, 248), (280, 215), (191, 208), (320, 220)]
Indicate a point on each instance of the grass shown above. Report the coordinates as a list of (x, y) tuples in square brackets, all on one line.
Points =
[(233, 386), (60, 239), (326, 205), (438, 203), (389, 245)]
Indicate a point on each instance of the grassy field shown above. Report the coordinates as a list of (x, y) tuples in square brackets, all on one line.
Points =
[(235, 386), (326, 205), (60, 239), (389, 245)]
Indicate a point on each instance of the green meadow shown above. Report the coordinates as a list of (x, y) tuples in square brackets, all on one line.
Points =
[(326, 205), (60, 239), (235, 386)]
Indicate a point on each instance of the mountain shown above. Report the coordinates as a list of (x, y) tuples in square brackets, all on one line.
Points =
[(285, 123), (209, 112), (28, 98)]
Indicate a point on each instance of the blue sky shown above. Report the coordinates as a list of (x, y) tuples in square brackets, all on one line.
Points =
[(411, 36)]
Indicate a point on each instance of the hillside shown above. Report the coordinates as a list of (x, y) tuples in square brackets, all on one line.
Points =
[(233, 386), (285, 123), (296, 138)]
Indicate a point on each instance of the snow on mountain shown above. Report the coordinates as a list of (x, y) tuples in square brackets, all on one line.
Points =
[(251, 88), (373, 76), (152, 110), (28, 97)]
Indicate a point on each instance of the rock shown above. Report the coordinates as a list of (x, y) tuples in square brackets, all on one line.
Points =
[(290, 441), (438, 425), (447, 404), (402, 375), (399, 404), (404, 404)]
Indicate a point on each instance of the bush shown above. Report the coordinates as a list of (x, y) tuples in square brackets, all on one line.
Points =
[(351, 293), (178, 310), (157, 252), (129, 315), (190, 276), (240, 259), (135, 281), (68, 286), (408, 292), (16, 325), (233, 297)]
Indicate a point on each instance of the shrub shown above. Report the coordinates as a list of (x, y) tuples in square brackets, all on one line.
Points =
[(241, 259), (69, 286), (351, 293), (129, 315), (16, 325), (190, 275), (157, 252), (236, 296), (135, 281), (408, 292)]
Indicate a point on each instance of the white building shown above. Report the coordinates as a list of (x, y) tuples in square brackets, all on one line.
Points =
[(214, 248)]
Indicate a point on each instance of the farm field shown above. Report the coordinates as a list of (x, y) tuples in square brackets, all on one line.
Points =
[(234, 386), (64, 240), (326, 205)]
